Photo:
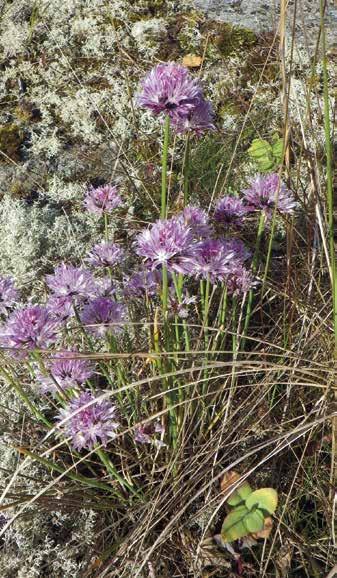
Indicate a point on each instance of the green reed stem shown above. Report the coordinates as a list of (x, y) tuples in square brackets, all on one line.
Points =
[(330, 203), (77, 477), (24, 397), (187, 171), (329, 173), (178, 285), (106, 226), (164, 291), (255, 262), (112, 470), (163, 211)]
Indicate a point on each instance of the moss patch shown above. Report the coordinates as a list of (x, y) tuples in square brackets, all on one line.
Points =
[(11, 139)]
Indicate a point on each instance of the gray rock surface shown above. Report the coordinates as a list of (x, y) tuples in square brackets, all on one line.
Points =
[(263, 15)]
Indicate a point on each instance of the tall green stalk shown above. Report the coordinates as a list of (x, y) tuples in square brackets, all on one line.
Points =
[(255, 262), (24, 397), (329, 174), (164, 296), (330, 203), (163, 209), (186, 171)]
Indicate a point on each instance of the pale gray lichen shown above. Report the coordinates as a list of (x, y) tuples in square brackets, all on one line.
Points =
[(34, 237), (49, 545), (149, 33)]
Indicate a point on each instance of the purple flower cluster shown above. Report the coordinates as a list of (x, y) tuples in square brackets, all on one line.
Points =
[(102, 200), (9, 295), (208, 260), (170, 89), (28, 329), (163, 242), (103, 316), (267, 192), (180, 307), (230, 211), (105, 255), (145, 434), (74, 283), (239, 280), (198, 221), (184, 245), (198, 121), (66, 370), (143, 283), (89, 421)]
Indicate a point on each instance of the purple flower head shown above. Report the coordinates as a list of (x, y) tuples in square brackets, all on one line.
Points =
[(170, 89), (30, 328), (145, 434), (88, 426), (230, 211), (180, 308), (163, 242), (239, 280), (102, 199), (142, 283), (105, 255), (209, 260), (102, 316), (9, 295), (104, 287), (262, 195), (66, 370), (198, 121), (238, 249), (60, 307), (197, 220), (72, 282)]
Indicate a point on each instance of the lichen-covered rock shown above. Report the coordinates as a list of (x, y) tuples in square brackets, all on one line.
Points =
[(262, 16)]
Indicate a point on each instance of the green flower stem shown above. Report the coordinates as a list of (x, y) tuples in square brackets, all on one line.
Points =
[(106, 226), (24, 397), (205, 327), (163, 212), (220, 318), (234, 328), (186, 171), (77, 477), (164, 291), (331, 225), (329, 174), (260, 231), (178, 285), (223, 305), (112, 470), (206, 310), (38, 358), (87, 339)]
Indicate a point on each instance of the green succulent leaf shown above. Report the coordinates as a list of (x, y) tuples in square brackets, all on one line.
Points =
[(267, 156), (277, 148), (240, 494), (264, 499), (234, 527), (254, 521)]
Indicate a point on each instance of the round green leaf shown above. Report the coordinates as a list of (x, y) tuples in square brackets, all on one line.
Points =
[(264, 499), (240, 494), (233, 527), (254, 521)]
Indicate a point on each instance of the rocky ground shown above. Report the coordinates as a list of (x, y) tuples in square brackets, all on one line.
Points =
[(262, 16)]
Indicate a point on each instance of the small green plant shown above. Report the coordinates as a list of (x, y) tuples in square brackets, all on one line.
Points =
[(267, 156), (250, 511)]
